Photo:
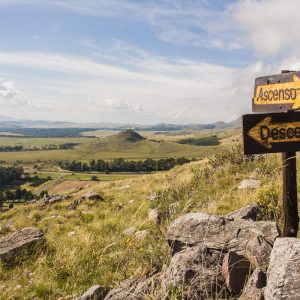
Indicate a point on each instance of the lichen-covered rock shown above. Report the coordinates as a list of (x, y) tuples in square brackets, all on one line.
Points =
[(20, 242), (254, 287), (239, 235), (192, 229), (283, 275), (93, 293), (194, 273)]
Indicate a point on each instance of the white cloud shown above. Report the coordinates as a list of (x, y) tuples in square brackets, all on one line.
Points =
[(7, 89), (116, 103), (270, 26)]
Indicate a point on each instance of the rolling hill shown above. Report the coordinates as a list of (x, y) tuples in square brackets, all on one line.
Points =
[(131, 145)]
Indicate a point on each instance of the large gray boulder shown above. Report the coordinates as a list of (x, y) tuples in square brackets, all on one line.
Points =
[(283, 276), (21, 242)]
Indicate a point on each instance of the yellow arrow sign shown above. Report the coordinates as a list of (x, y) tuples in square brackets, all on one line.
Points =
[(267, 133), (279, 93)]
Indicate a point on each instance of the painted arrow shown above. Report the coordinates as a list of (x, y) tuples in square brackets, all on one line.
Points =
[(295, 84), (267, 133)]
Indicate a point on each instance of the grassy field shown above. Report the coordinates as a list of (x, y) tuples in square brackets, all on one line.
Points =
[(87, 246), (66, 182), (108, 147)]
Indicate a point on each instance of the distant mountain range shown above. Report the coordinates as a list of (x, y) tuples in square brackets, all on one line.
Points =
[(8, 122)]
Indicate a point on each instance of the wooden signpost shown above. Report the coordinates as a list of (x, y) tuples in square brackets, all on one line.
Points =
[(273, 132)]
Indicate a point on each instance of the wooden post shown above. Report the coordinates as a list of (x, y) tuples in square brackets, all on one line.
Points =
[(290, 201)]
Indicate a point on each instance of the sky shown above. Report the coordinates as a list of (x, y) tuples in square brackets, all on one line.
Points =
[(139, 61)]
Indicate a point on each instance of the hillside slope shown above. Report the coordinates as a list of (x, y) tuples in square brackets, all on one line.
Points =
[(88, 245)]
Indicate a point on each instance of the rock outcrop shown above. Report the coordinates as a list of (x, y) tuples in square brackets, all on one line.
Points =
[(212, 257), (283, 276), (254, 288), (93, 293), (93, 196), (21, 242), (52, 199)]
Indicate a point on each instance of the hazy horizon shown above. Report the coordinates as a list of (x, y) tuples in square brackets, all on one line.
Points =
[(141, 62)]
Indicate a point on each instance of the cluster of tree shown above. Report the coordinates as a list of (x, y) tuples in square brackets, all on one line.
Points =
[(65, 146), (47, 132), (204, 141), (121, 165), (10, 175), (18, 194)]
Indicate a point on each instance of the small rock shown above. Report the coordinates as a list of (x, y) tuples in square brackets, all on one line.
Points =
[(140, 235), (172, 209), (249, 184), (129, 231), (283, 275), (125, 187), (93, 196), (71, 233), (50, 217), (236, 270), (94, 293), (19, 286), (121, 205), (131, 201), (152, 196), (154, 216)]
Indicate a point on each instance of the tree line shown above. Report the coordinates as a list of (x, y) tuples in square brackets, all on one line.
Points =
[(204, 141), (121, 165), (18, 194), (19, 148)]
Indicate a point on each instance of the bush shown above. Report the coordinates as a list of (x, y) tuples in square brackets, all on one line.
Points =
[(269, 198), (233, 156)]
